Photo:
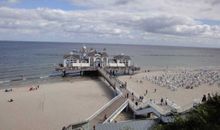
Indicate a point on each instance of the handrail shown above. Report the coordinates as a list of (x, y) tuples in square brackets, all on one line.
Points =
[(103, 107), (111, 117)]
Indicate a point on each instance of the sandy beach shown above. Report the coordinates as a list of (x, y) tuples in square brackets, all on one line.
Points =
[(52, 106), (182, 97)]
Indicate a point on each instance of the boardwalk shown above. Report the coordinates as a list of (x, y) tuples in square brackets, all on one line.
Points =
[(134, 100), (100, 118), (116, 84)]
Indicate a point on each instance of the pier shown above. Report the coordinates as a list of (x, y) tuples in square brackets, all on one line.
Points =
[(125, 98), (93, 63)]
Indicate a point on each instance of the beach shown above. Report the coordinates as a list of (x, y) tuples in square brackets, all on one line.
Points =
[(53, 105), (181, 96)]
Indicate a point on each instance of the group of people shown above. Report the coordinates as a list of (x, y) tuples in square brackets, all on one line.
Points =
[(205, 98), (163, 102), (30, 89), (34, 88), (186, 79), (8, 90)]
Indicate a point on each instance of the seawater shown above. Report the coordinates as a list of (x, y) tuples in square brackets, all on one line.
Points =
[(36, 61)]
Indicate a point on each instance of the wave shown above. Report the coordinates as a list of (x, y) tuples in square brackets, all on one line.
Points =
[(17, 79), (44, 77), (24, 79), (5, 81)]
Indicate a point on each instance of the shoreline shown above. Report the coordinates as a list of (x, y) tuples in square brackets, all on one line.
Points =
[(48, 80)]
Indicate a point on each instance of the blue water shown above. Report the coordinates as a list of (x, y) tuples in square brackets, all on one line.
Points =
[(30, 60)]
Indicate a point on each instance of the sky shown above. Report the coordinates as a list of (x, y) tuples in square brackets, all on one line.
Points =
[(154, 22)]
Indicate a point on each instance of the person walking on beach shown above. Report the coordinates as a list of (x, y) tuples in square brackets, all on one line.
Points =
[(161, 101), (105, 117), (93, 127), (204, 98), (166, 101), (209, 96)]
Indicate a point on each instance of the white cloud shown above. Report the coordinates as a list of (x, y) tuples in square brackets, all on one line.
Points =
[(135, 20), (194, 8)]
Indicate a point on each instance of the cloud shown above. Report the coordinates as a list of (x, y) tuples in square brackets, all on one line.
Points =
[(106, 22), (135, 20), (176, 25), (8, 2), (199, 9)]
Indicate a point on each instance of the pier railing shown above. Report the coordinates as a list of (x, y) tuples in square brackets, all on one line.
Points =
[(104, 107), (118, 111)]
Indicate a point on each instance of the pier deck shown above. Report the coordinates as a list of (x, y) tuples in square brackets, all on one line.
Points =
[(106, 113)]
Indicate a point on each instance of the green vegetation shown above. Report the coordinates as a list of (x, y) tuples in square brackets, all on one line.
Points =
[(204, 117)]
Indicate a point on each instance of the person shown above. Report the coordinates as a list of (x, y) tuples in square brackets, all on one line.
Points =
[(31, 88), (105, 117), (166, 101), (93, 127), (132, 99), (155, 90), (209, 96), (127, 95), (10, 100), (140, 98), (204, 98), (8, 90), (146, 91), (161, 101)]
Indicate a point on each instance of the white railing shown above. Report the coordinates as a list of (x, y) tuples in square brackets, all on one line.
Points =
[(114, 115), (104, 107)]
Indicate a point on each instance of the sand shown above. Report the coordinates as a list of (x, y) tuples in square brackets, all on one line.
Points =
[(182, 97), (52, 106)]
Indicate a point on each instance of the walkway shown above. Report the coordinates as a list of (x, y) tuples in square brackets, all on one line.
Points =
[(134, 101), (100, 118)]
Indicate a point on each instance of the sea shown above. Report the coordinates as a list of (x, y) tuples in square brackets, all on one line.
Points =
[(34, 62)]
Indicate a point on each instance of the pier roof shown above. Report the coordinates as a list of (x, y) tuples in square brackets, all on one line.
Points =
[(125, 57), (93, 53), (74, 56)]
